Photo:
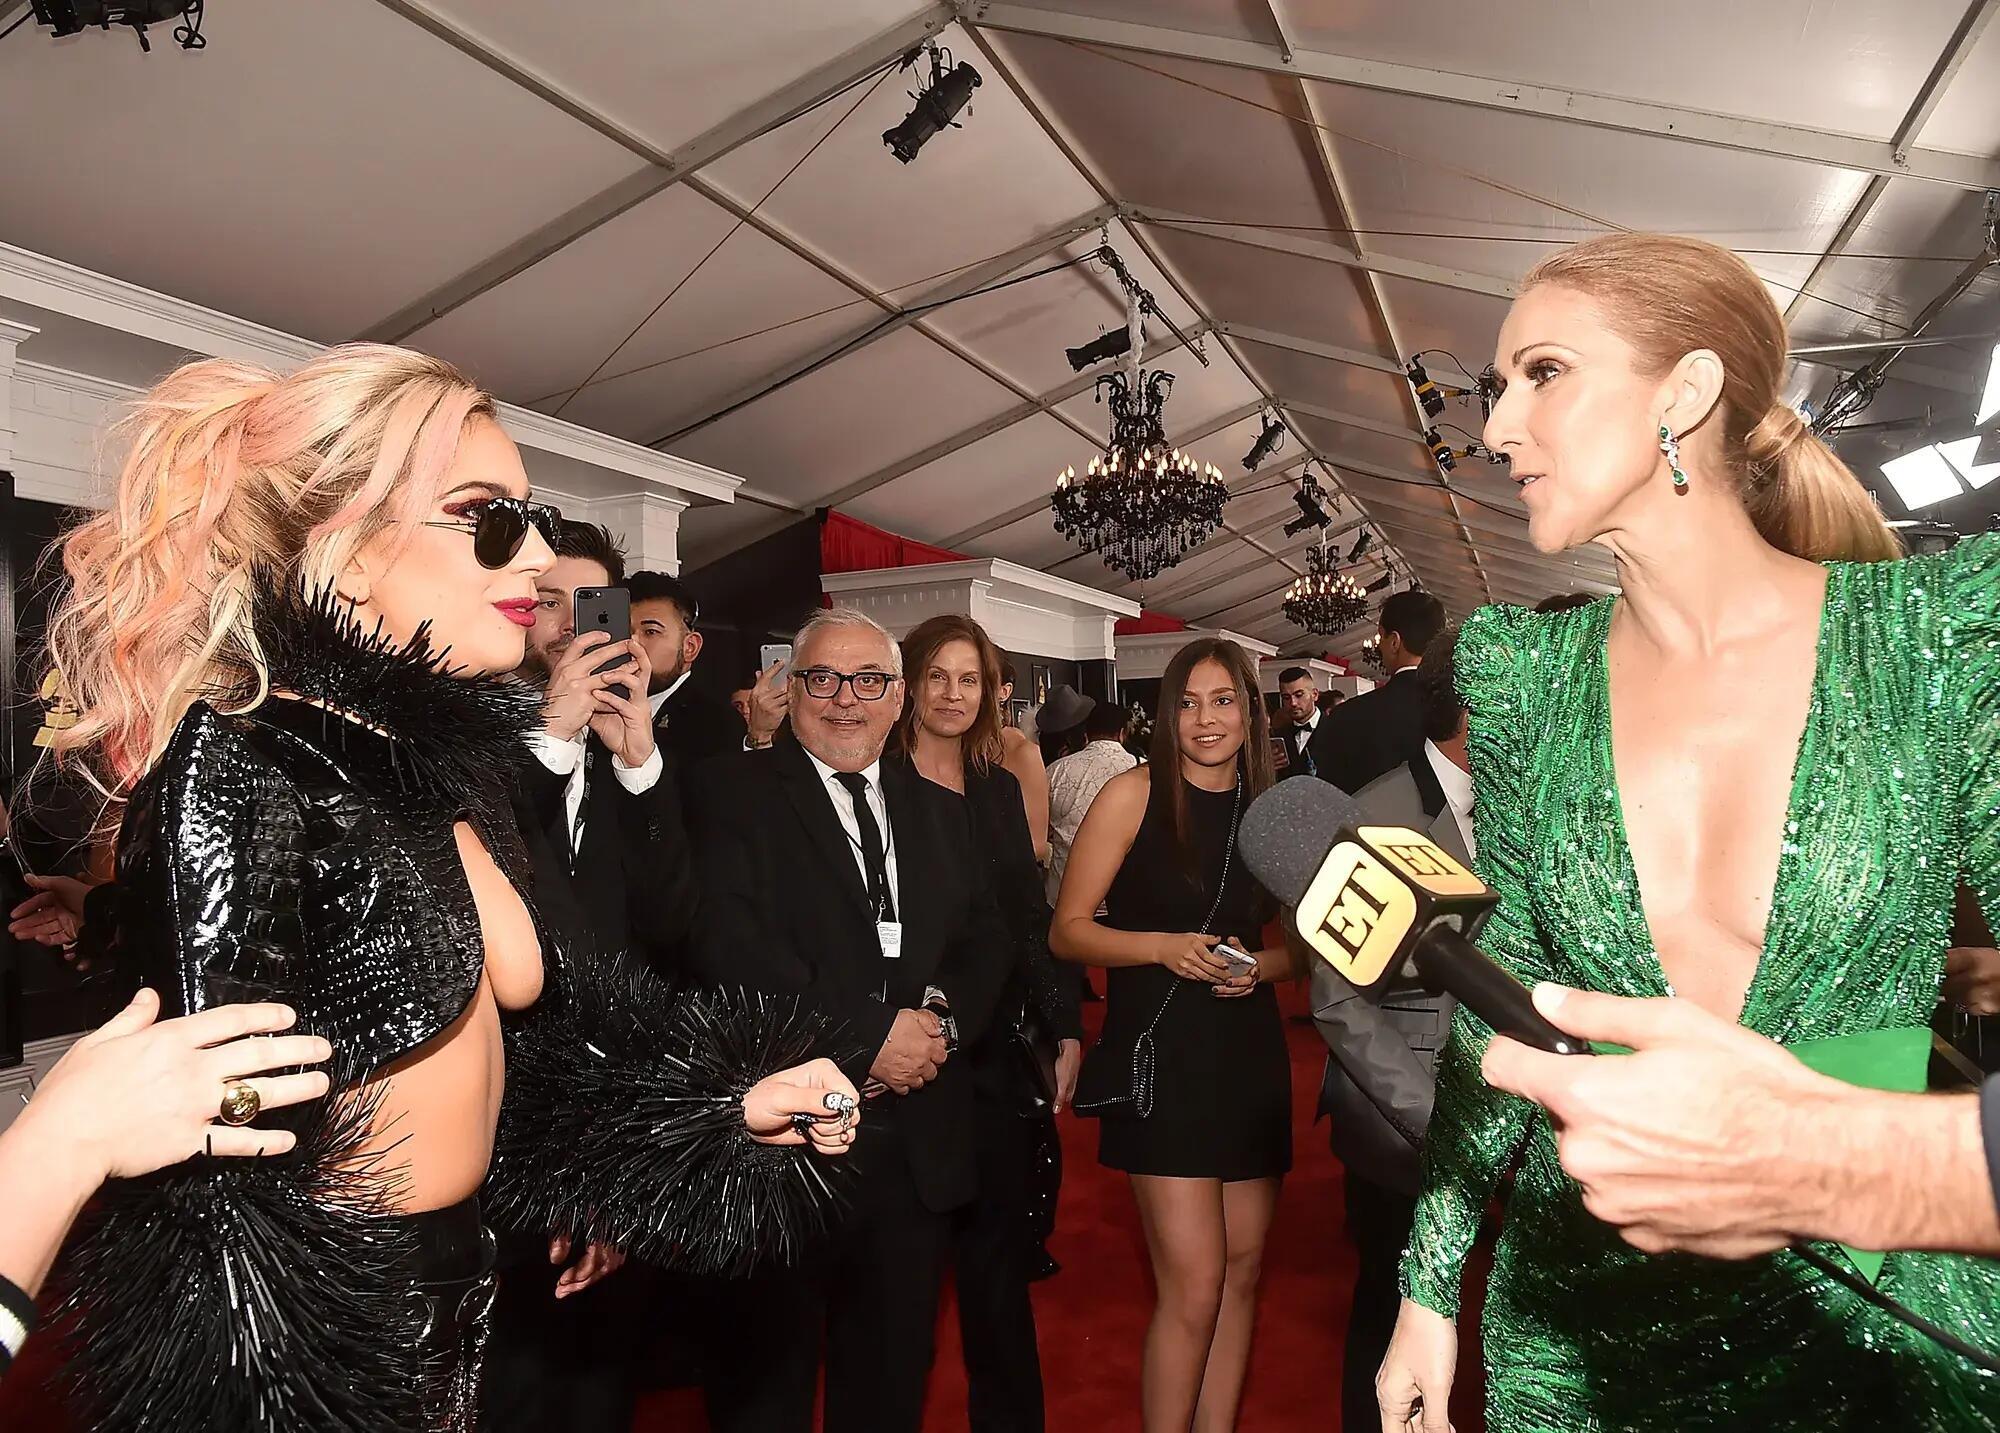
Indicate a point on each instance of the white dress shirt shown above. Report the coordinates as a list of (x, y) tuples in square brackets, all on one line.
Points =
[(1457, 786), (843, 807), (1304, 730), (1074, 782), (565, 759)]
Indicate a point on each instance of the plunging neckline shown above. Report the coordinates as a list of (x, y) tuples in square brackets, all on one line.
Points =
[(1789, 844)]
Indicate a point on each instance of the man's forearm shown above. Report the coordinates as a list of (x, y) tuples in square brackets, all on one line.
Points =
[(1892, 1171)]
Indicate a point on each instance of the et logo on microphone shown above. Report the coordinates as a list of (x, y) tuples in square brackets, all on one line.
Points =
[(1355, 914), (1376, 892)]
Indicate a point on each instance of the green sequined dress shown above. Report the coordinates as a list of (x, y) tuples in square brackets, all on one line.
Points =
[(1895, 804)]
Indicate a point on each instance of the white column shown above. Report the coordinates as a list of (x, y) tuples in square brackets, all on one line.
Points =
[(12, 336), (647, 525)]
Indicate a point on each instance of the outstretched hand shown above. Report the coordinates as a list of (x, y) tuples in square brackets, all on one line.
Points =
[(1694, 1140)]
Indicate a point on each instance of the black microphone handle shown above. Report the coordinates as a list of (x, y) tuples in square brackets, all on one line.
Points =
[(1449, 962)]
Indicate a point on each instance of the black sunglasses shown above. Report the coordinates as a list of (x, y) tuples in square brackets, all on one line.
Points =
[(500, 525)]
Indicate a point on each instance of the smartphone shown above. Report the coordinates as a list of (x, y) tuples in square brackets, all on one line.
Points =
[(1240, 961), (780, 652), (607, 610)]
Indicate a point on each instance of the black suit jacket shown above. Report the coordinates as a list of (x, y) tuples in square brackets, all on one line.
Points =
[(784, 908), (1369, 735), (1381, 1074), (694, 728), (1320, 744), (631, 883)]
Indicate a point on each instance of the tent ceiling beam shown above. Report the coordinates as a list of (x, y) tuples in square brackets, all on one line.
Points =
[(665, 168), (1977, 18), (977, 277), (1722, 131), (1312, 347), (1304, 247)]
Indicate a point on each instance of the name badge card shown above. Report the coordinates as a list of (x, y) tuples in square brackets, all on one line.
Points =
[(889, 935)]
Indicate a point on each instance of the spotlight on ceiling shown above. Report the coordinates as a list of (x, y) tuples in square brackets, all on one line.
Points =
[(1440, 451), (72, 17), (1312, 508), (949, 91), (1268, 439), (1105, 345), (1428, 393), (1361, 544)]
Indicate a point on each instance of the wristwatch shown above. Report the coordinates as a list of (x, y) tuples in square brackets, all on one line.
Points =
[(935, 1002)]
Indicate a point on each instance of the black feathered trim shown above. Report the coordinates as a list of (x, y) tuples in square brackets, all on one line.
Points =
[(623, 1122), (459, 739), (240, 1294)]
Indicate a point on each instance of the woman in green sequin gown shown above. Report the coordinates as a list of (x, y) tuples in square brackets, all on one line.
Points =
[(1894, 804)]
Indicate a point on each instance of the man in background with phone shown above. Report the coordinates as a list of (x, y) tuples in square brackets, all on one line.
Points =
[(693, 726), (601, 816)]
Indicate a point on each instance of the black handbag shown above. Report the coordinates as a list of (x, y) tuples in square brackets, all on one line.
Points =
[(1116, 1081)]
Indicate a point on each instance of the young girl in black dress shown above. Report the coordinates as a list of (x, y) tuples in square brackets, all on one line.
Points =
[(1159, 850)]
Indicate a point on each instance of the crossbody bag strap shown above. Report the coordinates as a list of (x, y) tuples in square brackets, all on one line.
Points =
[(1215, 907)]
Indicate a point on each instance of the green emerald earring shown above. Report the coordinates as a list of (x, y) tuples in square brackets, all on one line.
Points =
[(1670, 445)]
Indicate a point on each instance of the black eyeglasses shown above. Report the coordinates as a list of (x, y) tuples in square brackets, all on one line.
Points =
[(825, 682), (500, 525)]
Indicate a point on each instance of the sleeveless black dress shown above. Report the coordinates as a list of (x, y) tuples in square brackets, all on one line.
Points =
[(1222, 1105)]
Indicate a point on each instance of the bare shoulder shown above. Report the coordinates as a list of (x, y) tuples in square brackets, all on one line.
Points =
[(1126, 793)]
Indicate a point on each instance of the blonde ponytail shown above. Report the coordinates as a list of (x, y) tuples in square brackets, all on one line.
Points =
[(1668, 296), (1807, 502)]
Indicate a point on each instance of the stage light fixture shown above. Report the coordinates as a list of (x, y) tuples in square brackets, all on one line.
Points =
[(1967, 460), (1440, 451), (72, 17), (1105, 345), (1361, 545), (1268, 439), (1428, 393), (1989, 403), (1922, 478), (1312, 508), (949, 91)]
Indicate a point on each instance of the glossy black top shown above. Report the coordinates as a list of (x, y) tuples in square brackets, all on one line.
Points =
[(295, 853)]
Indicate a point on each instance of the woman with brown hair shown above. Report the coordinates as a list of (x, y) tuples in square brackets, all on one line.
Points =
[(1206, 1137), (950, 731), (1755, 781)]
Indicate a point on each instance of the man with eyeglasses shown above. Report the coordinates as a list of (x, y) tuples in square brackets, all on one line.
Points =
[(826, 870)]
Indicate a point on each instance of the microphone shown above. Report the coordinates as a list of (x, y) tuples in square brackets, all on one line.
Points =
[(1382, 903)]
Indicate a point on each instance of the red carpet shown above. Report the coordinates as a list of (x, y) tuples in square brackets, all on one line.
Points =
[(1092, 1316)]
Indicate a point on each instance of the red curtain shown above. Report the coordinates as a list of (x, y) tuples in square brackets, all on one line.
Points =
[(1149, 622), (849, 545)]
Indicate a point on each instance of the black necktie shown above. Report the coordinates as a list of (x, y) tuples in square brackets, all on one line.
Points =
[(871, 845)]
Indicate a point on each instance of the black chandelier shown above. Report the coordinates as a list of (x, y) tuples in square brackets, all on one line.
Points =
[(1144, 505), (1371, 651), (1325, 600)]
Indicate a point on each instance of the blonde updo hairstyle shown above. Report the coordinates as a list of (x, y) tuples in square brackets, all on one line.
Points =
[(1668, 296), (234, 475)]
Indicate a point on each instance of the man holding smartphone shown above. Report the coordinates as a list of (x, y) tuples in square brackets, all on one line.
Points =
[(600, 813)]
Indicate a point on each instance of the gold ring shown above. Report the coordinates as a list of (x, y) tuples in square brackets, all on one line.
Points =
[(240, 1103)]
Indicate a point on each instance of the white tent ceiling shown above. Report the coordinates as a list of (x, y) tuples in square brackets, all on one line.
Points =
[(643, 217)]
